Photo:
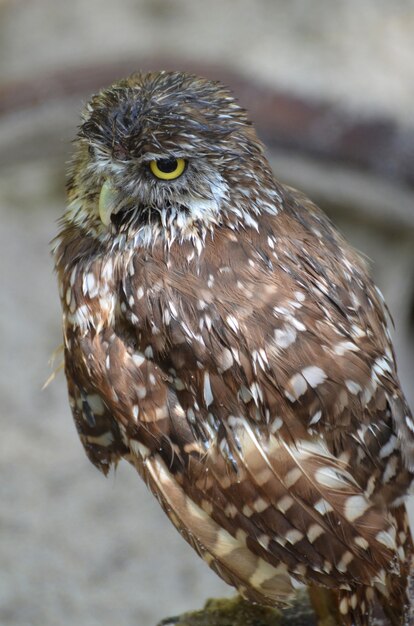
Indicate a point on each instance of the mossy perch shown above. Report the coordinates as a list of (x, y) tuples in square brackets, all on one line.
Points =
[(311, 607), (238, 612)]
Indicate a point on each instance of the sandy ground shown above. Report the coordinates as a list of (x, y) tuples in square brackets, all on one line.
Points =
[(76, 548)]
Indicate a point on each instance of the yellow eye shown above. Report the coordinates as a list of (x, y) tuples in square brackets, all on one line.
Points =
[(168, 169)]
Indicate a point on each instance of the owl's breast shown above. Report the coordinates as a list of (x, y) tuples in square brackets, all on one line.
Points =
[(90, 298)]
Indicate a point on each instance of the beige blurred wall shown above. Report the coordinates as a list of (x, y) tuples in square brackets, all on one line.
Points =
[(357, 52)]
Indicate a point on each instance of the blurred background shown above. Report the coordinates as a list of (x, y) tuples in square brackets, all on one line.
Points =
[(330, 87)]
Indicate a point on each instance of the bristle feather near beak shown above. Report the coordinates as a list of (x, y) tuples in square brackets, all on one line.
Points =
[(108, 202)]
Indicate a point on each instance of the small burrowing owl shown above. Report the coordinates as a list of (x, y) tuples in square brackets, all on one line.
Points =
[(222, 337)]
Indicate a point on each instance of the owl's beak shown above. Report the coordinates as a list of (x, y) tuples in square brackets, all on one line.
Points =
[(108, 202)]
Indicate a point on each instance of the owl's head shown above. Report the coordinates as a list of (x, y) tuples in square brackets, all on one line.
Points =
[(166, 154)]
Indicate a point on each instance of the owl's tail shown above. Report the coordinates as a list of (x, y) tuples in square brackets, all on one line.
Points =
[(398, 597), (387, 601)]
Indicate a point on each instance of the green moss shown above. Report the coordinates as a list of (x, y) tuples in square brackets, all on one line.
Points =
[(238, 612)]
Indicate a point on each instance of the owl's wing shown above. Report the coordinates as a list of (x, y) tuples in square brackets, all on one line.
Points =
[(301, 336), (255, 392), (280, 380), (124, 406), (292, 337)]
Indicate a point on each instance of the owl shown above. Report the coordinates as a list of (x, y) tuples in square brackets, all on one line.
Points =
[(222, 337)]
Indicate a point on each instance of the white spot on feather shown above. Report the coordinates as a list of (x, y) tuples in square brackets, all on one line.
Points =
[(264, 541), (139, 449), (388, 448), (276, 424), (409, 423), (297, 324), (330, 478), (361, 542), (323, 506), (265, 571), (72, 278), (141, 391), (382, 366), (284, 504), (386, 539), (292, 477), (256, 392), (284, 337), (208, 394), (355, 507), (293, 536), (104, 440), (260, 505), (138, 359), (81, 317), (89, 285), (315, 418), (247, 511), (230, 510), (314, 531), (96, 404), (245, 394), (347, 557), (353, 387), (68, 295), (173, 309), (233, 323), (390, 469), (297, 387), (343, 606), (225, 359), (357, 331), (107, 270), (179, 384), (345, 346), (314, 375)]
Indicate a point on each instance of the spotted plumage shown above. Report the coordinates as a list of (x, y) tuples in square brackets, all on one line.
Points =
[(222, 337)]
